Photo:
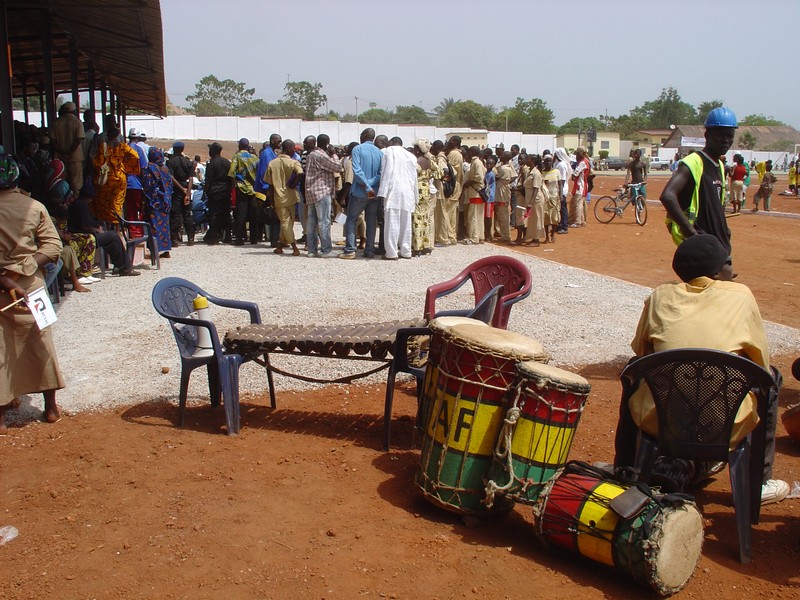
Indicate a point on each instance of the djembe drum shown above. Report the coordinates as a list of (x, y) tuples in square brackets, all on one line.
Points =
[(545, 406), (655, 538), (470, 368)]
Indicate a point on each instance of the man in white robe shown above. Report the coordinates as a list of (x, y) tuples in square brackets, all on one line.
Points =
[(399, 190)]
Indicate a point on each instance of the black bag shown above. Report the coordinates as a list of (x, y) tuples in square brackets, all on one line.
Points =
[(269, 214), (449, 181)]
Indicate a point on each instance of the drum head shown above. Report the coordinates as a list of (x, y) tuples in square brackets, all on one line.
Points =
[(447, 323), (677, 548), (500, 342), (539, 371)]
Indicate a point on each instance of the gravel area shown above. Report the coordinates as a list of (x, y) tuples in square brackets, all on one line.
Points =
[(112, 345)]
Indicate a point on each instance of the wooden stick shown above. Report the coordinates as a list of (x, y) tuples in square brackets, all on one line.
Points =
[(17, 301)]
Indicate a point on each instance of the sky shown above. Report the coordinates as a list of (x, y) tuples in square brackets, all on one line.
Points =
[(583, 58)]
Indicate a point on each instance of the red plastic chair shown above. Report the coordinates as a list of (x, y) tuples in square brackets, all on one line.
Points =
[(485, 274)]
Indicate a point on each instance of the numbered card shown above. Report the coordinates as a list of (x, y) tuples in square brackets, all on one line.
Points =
[(41, 308)]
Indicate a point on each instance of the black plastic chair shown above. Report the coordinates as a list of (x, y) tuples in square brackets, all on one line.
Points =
[(173, 299), (697, 393), (52, 281), (484, 311)]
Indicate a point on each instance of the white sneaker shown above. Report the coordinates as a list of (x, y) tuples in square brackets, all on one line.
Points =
[(774, 490), (87, 280), (93, 279), (312, 255)]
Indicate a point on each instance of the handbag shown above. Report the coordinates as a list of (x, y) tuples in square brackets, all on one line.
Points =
[(102, 174)]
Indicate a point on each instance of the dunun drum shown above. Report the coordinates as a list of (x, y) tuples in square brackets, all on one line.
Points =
[(657, 540), (543, 413), (469, 371)]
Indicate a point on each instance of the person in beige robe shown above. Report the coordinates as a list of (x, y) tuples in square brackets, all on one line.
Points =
[(28, 241)]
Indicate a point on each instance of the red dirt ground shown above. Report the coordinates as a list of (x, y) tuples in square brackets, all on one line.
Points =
[(305, 504)]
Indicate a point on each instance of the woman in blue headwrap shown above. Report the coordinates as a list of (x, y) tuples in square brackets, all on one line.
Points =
[(157, 186)]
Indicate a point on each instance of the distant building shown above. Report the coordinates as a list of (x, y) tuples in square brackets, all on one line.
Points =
[(606, 140), (650, 140), (471, 137), (691, 137)]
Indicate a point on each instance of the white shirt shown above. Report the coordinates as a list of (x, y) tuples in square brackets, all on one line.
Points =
[(398, 179)]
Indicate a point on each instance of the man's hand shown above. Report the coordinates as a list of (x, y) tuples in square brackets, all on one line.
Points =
[(371, 194)]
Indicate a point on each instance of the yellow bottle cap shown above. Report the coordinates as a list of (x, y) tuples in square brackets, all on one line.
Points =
[(200, 302)]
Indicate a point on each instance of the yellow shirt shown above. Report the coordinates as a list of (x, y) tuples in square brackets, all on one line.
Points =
[(505, 175), (278, 173), (704, 313), (457, 162)]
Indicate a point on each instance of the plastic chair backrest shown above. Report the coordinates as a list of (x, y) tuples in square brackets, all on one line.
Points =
[(174, 297), (485, 274), (697, 393)]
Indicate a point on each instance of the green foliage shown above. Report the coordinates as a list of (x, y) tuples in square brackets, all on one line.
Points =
[(703, 109), (527, 116), (762, 121), (411, 115), (668, 109), (467, 113), (444, 106), (376, 115), (781, 146), (307, 96), (747, 141), (33, 104), (628, 125), (584, 123), (214, 97), (603, 154)]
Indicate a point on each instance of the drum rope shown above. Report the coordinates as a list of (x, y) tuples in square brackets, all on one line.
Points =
[(502, 449)]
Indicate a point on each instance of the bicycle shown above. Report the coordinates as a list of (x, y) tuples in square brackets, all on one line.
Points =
[(606, 209)]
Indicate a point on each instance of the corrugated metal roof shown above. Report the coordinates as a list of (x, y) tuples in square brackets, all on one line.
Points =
[(121, 38)]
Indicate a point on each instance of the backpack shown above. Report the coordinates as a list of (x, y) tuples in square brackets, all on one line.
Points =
[(448, 181)]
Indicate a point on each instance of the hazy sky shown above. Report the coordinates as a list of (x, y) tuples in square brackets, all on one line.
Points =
[(582, 58)]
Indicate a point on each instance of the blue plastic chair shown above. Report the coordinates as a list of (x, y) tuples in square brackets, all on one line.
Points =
[(147, 238), (485, 311), (173, 299)]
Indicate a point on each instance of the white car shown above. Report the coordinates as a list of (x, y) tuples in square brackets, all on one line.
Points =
[(657, 164)]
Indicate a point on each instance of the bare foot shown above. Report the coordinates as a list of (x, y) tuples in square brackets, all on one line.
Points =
[(52, 415), (16, 402), (77, 287), (3, 426)]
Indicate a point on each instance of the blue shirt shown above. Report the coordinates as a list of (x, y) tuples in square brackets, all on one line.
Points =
[(135, 181), (366, 169), (489, 182), (267, 155)]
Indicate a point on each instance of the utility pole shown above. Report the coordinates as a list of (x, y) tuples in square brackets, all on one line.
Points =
[(356, 110)]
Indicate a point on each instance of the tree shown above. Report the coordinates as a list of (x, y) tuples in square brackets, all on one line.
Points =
[(762, 121), (527, 116), (668, 109), (584, 123), (628, 125), (444, 106), (706, 107), (411, 115), (213, 97), (747, 141), (468, 113), (33, 104), (307, 96), (376, 115)]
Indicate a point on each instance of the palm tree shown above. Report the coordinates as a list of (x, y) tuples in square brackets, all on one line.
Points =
[(444, 106)]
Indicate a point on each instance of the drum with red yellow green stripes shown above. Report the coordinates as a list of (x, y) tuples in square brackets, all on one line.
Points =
[(469, 372), (545, 408), (657, 540)]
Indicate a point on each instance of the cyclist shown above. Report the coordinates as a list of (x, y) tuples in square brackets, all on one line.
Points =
[(636, 175)]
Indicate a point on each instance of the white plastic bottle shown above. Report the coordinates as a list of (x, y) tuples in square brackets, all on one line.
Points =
[(203, 312)]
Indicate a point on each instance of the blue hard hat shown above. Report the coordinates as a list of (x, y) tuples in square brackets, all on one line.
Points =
[(721, 117)]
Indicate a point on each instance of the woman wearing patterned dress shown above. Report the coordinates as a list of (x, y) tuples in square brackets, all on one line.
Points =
[(157, 187), (122, 160), (421, 241)]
